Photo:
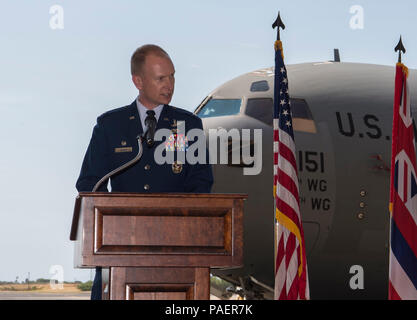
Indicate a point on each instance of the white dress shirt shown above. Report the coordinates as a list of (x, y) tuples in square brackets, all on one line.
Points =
[(142, 113)]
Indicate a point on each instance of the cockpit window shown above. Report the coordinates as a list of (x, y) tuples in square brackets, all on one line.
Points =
[(262, 110), (300, 109), (220, 107), (259, 86)]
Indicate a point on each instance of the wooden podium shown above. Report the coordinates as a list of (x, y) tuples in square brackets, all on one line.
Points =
[(157, 246)]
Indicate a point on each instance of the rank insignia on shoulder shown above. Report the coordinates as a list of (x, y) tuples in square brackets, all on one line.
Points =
[(177, 167), (125, 149)]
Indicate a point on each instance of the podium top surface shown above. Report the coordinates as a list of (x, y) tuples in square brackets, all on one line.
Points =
[(115, 195), (164, 195)]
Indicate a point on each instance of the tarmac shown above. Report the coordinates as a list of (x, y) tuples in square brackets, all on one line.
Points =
[(13, 295)]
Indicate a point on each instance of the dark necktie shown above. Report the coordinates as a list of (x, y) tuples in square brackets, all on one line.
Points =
[(150, 123), (150, 120)]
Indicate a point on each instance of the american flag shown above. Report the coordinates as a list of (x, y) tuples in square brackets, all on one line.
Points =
[(291, 278), (403, 196)]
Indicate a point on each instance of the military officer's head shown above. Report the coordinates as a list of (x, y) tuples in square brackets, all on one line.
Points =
[(153, 74)]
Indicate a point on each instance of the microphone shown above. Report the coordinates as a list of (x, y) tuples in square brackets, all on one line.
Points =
[(150, 135), (124, 166), (150, 122)]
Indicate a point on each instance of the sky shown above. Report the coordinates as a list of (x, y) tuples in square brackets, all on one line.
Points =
[(61, 68)]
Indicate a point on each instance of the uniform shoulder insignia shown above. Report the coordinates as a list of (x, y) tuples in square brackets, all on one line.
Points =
[(114, 112)]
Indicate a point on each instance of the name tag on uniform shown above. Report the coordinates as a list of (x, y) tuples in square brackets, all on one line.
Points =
[(125, 149)]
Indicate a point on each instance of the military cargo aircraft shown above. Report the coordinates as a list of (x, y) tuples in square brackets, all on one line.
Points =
[(342, 117)]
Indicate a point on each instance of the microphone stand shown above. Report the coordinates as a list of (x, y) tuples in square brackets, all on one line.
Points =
[(126, 165)]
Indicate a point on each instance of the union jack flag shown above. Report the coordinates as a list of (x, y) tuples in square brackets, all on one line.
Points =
[(291, 278), (403, 196)]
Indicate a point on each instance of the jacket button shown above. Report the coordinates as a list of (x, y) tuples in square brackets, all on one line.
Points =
[(147, 167), (146, 187)]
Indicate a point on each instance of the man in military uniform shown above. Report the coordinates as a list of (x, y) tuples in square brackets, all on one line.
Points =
[(114, 139)]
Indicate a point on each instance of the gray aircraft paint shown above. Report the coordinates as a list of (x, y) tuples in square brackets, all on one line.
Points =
[(351, 105)]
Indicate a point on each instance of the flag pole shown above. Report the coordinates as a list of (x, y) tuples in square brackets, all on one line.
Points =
[(277, 24), (399, 47)]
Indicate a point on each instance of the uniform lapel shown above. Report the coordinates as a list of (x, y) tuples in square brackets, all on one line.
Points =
[(135, 125), (164, 118)]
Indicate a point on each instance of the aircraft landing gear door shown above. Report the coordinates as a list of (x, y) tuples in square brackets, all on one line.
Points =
[(317, 183)]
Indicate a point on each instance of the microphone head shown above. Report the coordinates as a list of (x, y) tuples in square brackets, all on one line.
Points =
[(149, 137), (150, 142)]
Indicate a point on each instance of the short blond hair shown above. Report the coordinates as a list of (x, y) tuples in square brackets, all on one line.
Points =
[(138, 58)]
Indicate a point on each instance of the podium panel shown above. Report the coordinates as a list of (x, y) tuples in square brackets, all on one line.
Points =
[(162, 230), (159, 283)]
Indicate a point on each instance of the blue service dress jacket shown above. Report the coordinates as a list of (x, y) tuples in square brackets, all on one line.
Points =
[(114, 143)]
